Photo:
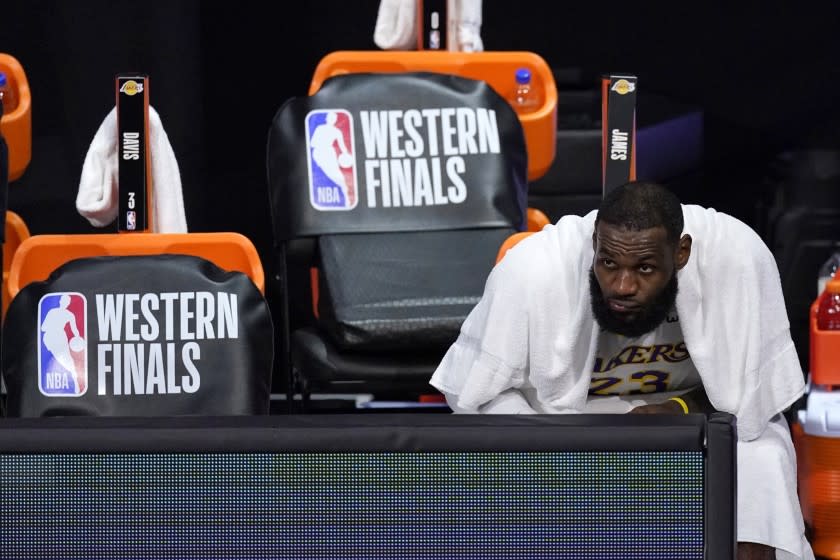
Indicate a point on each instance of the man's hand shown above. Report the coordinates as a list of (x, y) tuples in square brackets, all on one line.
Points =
[(668, 407)]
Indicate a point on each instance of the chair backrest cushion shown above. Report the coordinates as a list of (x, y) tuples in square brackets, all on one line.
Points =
[(4, 185), (396, 152), (158, 335), (403, 291)]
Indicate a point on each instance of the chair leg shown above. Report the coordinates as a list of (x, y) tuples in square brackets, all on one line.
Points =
[(305, 393), (290, 391)]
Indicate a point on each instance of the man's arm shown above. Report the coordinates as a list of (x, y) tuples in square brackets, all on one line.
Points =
[(696, 401)]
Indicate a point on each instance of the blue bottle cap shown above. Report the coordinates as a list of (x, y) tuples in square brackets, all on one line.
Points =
[(523, 76), (2, 79)]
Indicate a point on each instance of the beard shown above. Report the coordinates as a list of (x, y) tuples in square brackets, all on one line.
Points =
[(647, 319)]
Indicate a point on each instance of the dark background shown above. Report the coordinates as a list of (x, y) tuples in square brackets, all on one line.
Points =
[(765, 76), (766, 79)]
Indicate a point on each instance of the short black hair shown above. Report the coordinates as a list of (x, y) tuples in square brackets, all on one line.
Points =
[(639, 205)]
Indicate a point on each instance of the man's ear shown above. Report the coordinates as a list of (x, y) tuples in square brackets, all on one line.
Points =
[(595, 239), (683, 251)]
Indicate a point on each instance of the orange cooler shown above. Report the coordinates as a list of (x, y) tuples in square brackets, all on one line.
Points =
[(817, 440)]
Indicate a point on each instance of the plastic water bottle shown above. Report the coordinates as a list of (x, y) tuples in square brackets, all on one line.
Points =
[(7, 94), (828, 269), (828, 310), (524, 95)]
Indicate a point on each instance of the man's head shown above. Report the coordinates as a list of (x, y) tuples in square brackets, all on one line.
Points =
[(638, 250)]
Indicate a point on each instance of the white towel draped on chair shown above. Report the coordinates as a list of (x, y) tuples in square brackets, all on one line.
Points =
[(396, 25), (98, 196)]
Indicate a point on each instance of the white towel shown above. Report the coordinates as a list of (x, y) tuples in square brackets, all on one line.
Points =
[(533, 331), (767, 498), (98, 200), (396, 25), (464, 24)]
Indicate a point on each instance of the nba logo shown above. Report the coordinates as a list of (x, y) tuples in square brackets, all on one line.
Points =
[(131, 220), (331, 158), (62, 345)]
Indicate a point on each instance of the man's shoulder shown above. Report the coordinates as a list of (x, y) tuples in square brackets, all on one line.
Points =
[(567, 241), (711, 226), (555, 257), (697, 213)]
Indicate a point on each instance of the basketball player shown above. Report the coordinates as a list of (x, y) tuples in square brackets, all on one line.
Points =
[(526, 346)]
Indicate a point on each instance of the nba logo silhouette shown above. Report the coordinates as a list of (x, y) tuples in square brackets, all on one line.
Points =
[(331, 158), (62, 345), (131, 219)]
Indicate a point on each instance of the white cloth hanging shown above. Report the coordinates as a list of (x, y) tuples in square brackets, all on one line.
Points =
[(98, 196), (396, 25)]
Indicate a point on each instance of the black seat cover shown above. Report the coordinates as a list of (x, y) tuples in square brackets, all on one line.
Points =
[(138, 336)]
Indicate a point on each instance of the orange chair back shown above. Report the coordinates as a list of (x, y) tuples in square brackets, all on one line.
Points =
[(536, 219), (16, 233), (40, 255), (17, 125), (497, 68)]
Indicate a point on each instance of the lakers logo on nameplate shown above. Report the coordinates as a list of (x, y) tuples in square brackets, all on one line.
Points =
[(331, 158), (131, 88), (62, 344), (622, 87)]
